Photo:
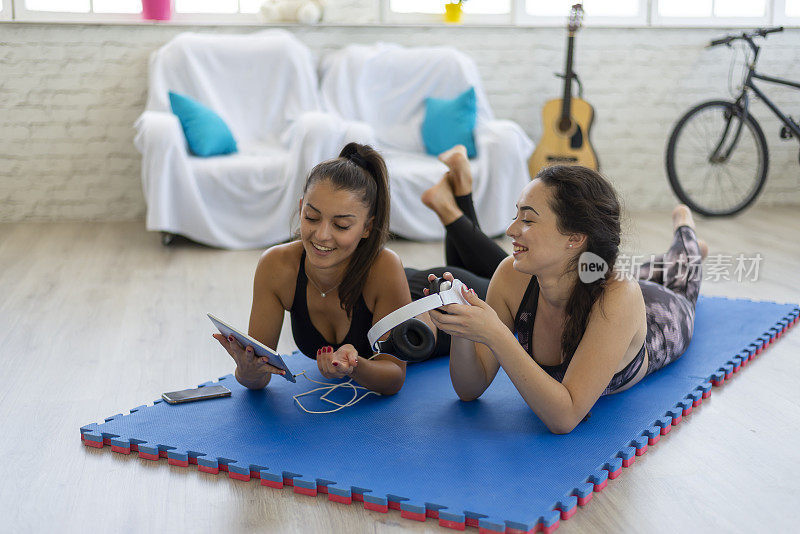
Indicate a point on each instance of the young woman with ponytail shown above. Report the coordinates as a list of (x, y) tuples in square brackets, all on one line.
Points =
[(336, 280), (563, 339)]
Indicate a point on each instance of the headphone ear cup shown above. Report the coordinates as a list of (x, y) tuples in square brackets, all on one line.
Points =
[(413, 341)]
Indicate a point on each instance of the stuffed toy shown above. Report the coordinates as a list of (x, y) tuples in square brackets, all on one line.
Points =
[(302, 11)]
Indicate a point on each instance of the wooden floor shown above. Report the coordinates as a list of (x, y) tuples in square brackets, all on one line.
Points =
[(99, 318)]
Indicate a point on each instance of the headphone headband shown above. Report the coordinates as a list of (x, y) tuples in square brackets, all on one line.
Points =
[(409, 311)]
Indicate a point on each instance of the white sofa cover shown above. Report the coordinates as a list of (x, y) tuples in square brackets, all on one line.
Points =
[(264, 86), (381, 89)]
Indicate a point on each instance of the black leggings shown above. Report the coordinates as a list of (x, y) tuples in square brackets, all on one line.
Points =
[(470, 254), (471, 257)]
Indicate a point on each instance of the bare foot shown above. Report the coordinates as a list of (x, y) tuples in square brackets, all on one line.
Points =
[(447, 155), (440, 199), (460, 174), (682, 216), (703, 248)]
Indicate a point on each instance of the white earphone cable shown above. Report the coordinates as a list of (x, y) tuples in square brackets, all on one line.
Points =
[(330, 388)]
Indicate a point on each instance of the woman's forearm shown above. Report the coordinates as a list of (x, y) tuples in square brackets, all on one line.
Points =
[(547, 397), (466, 370), (379, 375)]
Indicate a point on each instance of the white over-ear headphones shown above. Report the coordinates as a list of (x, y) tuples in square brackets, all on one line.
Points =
[(447, 294)]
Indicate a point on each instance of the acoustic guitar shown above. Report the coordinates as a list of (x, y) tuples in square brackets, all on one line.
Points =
[(566, 121)]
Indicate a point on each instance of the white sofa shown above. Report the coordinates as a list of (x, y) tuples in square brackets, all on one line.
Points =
[(383, 87), (264, 86)]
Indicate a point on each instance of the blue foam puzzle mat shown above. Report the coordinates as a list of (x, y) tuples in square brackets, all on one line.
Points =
[(490, 463)]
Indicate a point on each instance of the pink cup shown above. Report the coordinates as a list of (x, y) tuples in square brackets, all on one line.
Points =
[(156, 9)]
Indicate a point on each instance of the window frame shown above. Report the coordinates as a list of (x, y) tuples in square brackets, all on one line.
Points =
[(23, 14), (657, 21), (387, 16), (523, 18), (15, 11), (8, 10), (779, 16)]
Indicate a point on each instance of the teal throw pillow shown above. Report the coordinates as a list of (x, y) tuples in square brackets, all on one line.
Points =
[(205, 131), (450, 122)]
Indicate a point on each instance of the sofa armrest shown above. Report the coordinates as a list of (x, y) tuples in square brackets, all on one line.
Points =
[(165, 155), (503, 139), (158, 133)]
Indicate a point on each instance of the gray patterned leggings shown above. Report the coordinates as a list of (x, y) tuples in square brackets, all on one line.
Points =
[(670, 285)]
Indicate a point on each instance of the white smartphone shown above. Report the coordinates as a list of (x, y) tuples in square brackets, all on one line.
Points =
[(260, 349), (195, 394)]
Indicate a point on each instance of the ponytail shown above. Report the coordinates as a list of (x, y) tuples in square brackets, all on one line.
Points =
[(360, 169)]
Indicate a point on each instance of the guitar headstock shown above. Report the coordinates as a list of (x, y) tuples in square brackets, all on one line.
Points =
[(575, 18)]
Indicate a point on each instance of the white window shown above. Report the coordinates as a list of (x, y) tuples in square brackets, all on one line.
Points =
[(77, 10), (630, 13), (712, 12), (5, 9), (215, 11), (183, 11), (250, 6), (206, 6), (117, 6), (633, 13), (432, 11), (787, 12), (595, 12)]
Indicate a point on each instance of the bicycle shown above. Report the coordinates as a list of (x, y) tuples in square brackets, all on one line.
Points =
[(717, 157)]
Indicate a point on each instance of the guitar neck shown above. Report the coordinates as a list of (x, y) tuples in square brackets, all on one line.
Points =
[(566, 101)]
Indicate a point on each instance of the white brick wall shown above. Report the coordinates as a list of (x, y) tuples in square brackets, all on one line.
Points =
[(69, 95)]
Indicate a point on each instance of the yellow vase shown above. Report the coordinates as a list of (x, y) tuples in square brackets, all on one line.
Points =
[(452, 13)]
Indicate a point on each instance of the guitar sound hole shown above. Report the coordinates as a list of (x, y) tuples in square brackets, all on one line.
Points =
[(562, 159), (564, 125)]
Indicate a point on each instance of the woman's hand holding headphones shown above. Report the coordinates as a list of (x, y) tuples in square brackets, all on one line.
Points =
[(474, 321), (337, 364), (447, 276)]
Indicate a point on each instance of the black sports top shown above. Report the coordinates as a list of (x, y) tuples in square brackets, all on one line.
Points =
[(523, 329), (306, 335)]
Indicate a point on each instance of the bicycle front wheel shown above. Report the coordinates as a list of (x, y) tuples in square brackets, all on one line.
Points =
[(717, 160)]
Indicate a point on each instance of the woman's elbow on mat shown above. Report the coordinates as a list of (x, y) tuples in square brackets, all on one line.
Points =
[(390, 387), (467, 395), (253, 383), (562, 427)]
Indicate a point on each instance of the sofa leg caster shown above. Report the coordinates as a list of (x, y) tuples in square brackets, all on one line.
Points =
[(167, 238)]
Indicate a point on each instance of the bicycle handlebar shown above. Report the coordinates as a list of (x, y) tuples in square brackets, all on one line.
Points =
[(759, 32), (724, 40)]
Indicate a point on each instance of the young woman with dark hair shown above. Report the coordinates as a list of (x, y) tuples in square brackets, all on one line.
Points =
[(564, 341), (336, 280)]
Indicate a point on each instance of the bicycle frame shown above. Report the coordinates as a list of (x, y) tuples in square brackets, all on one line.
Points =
[(743, 103), (749, 83)]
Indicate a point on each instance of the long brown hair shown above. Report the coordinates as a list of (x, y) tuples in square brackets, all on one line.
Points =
[(584, 202), (360, 169)]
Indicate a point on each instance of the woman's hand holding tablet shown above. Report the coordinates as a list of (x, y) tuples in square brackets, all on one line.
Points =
[(252, 357)]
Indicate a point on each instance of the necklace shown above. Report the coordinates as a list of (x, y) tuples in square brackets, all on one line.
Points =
[(322, 293)]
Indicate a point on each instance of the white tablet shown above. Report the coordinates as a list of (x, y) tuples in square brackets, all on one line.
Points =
[(261, 349)]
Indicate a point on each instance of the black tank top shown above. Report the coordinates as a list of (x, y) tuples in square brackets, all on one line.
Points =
[(309, 339), (523, 329)]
